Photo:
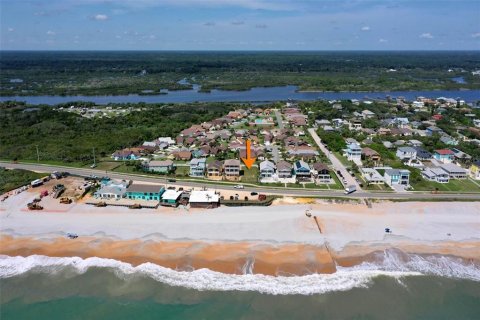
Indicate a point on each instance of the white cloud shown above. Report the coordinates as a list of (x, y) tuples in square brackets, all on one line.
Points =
[(365, 28), (426, 35), (476, 35), (100, 17), (10, 29), (381, 40), (51, 33)]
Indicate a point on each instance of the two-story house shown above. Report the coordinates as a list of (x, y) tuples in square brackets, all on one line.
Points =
[(267, 169), (215, 170), (284, 169), (197, 167), (397, 176), (406, 153), (231, 169), (301, 170), (444, 155)]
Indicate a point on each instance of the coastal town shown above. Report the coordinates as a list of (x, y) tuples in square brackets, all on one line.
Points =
[(393, 146)]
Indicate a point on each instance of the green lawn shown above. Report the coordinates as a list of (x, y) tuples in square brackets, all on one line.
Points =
[(250, 175), (343, 159), (454, 185)]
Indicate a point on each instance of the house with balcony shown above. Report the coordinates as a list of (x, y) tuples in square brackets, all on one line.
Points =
[(406, 153), (321, 173), (372, 176), (215, 170), (164, 166), (267, 169), (231, 169), (302, 170), (444, 155), (454, 171), (284, 169), (197, 167), (353, 152), (435, 174), (474, 170), (137, 191), (397, 177)]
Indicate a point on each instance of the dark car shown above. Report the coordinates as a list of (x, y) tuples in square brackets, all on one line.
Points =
[(253, 193), (172, 180)]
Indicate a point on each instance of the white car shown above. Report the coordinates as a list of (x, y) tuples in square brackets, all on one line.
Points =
[(239, 186)]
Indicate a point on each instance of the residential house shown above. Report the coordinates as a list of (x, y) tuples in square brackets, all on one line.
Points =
[(126, 154), (367, 114), (448, 140), (112, 189), (435, 174), (406, 153), (165, 166), (197, 167), (423, 154), (372, 176), (454, 171), (353, 151), (182, 155), (430, 131), (267, 169), (305, 152), (301, 170), (215, 170), (444, 155), (461, 156), (171, 198), (370, 154), (474, 170), (231, 169), (321, 173), (137, 191), (284, 169), (415, 143), (397, 177)]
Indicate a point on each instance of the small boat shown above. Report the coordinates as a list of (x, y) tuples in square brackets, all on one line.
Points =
[(72, 235)]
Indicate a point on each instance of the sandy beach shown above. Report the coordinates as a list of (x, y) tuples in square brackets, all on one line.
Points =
[(275, 240)]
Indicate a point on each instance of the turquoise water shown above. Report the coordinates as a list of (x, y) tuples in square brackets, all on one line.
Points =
[(39, 287), (100, 294)]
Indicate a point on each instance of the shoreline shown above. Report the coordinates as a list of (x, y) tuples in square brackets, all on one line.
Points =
[(238, 258)]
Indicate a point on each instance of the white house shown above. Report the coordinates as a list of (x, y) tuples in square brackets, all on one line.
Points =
[(267, 169), (406, 153), (435, 174)]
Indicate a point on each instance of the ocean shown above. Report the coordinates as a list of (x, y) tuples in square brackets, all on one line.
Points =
[(434, 287)]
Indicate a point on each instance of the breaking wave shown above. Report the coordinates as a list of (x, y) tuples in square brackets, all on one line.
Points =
[(393, 265)]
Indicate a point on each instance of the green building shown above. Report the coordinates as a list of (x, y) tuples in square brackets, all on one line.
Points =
[(144, 192)]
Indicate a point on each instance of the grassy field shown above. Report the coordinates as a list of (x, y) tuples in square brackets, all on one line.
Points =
[(454, 185), (250, 175)]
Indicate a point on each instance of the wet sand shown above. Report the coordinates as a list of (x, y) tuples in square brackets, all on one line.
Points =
[(228, 257)]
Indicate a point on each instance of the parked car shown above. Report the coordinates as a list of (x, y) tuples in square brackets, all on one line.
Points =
[(253, 193), (172, 180)]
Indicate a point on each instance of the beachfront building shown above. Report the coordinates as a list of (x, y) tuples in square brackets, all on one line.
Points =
[(397, 177), (112, 189), (302, 170), (215, 170), (204, 199), (164, 166), (474, 170), (137, 191), (231, 169), (170, 198), (435, 174), (444, 155), (321, 173), (454, 171), (372, 176), (197, 167), (284, 169), (267, 169)]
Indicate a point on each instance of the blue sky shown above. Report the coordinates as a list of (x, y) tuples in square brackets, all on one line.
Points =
[(239, 25)]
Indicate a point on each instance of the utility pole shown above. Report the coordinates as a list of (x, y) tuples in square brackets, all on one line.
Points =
[(94, 163), (38, 154)]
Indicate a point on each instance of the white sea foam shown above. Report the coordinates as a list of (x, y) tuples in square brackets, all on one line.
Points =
[(203, 279)]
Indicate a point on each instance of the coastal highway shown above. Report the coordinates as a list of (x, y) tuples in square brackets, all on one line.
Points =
[(298, 192)]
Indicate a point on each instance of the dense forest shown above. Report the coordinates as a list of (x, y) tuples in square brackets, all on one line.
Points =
[(116, 72), (68, 137)]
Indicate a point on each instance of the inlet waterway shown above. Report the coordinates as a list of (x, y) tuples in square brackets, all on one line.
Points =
[(254, 95)]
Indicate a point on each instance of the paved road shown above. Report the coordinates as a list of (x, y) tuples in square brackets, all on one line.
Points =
[(337, 164), (279, 119), (260, 189)]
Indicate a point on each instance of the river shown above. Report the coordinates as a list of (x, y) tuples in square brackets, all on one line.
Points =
[(254, 95)]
